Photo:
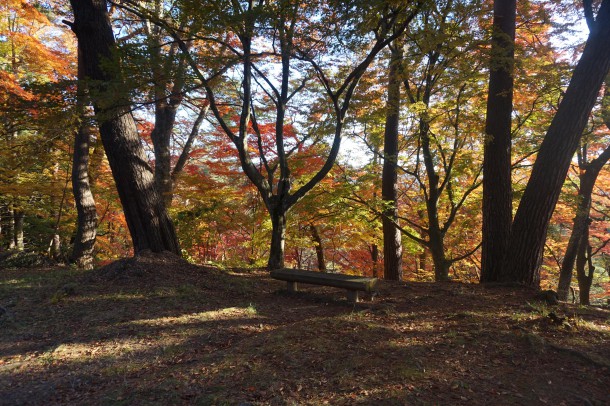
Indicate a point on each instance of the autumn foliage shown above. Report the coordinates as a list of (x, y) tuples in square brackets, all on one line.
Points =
[(219, 214)]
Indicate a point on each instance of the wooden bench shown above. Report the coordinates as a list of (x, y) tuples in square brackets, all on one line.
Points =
[(353, 284)]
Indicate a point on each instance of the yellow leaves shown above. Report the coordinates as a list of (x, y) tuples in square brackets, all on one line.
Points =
[(418, 108)]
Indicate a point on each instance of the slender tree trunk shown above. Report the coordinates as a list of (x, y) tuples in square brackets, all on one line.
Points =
[(567, 266), (84, 242), (528, 234), (375, 260), (149, 224), (319, 248), (436, 243), (165, 117), (278, 235), (497, 185), (11, 226), (19, 223), (584, 258), (392, 243), (86, 226), (581, 220)]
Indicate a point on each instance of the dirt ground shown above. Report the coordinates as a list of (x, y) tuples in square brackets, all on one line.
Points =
[(158, 331)]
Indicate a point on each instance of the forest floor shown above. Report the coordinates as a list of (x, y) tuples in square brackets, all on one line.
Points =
[(161, 331)]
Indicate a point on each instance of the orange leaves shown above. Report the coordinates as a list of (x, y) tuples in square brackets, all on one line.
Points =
[(33, 47), (10, 89)]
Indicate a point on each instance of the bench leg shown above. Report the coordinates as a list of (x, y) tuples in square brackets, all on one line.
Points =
[(292, 286), (352, 296)]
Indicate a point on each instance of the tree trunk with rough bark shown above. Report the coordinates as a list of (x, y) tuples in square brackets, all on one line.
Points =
[(528, 234), (392, 243), (497, 185), (86, 223), (149, 224), (165, 117)]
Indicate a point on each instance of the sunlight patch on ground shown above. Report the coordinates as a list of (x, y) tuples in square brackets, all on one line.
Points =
[(85, 352), (113, 297), (13, 282), (229, 313)]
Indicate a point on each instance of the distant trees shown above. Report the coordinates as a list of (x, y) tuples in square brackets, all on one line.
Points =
[(293, 40)]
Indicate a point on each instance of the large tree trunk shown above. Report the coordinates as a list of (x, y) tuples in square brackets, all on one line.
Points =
[(392, 243), (84, 242), (278, 235), (528, 235), (145, 213), (497, 185)]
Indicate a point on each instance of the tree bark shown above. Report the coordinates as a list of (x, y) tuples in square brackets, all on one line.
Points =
[(497, 185), (436, 236), (437, 250), (583, 261), (278, 236), (375, 260), (319, 248), (165, 117), (392, 243), (526, 244), (19, 223), (86, 225), (149, 224), (84, 242), (11, 226)]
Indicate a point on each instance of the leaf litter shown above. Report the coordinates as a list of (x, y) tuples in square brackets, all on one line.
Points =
[(157, 330)]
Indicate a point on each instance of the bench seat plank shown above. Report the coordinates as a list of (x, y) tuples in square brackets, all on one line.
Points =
[(349, 282)]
